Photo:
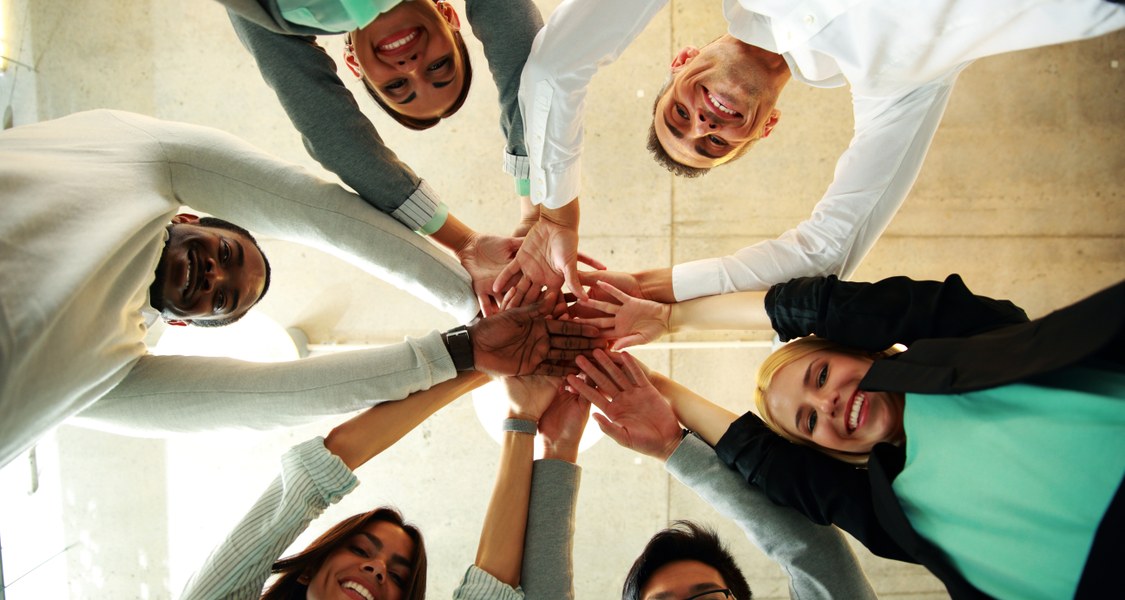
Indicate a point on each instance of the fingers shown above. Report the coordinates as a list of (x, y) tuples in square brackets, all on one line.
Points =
[(571, 275), (584, 390), (628, 341), (488, 305), (613, 291), (507, 273), (609, 366), (599, 322), (590, 261), (555, 370), (633, 369), (612, 430), (571, 330), (565, 355), (608, 308), (594, 372)]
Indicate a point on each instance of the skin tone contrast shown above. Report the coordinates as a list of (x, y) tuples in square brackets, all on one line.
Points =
[(209, 273), (410, 58), (818, 398), (373, 565)]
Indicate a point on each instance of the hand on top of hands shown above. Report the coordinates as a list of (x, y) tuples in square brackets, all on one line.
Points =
[(636, 415), (631, 321)]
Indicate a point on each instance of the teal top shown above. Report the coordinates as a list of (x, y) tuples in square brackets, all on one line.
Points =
[(334, 15), (1015, 479)]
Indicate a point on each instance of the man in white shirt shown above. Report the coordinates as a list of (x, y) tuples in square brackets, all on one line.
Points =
[(901, 59), (89, 262)]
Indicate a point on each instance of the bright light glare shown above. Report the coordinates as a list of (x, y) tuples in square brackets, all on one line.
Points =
[(491, 404)]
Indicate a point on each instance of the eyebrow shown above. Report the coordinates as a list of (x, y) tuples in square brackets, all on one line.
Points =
[(676, 132), (699, 587), (397, 559), (701, 149), (441, 84), (409, 98), (241, 252)]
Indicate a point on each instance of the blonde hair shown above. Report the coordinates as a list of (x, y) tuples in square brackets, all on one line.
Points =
[(788, 354)]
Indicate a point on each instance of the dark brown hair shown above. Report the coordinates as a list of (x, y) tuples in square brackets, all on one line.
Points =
[(308, 561), (684, 540)]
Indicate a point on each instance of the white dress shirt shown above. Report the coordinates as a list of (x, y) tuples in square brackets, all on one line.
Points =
[(580, 36), (901, 59)]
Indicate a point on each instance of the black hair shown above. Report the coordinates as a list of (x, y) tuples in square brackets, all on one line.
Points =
[(684, 540)]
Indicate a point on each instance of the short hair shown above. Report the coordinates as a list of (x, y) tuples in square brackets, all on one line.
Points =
[(792, 352), (422, 124), (684, 540), (227, 225), (306, 562), (661, 156)]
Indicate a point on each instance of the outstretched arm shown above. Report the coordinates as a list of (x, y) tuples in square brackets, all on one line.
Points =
[(314, 474)]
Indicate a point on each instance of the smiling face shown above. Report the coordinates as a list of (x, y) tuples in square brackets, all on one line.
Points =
[(684, 579), (409, 57), (207, 273), (374, 564), (718, 102), (817, 398)]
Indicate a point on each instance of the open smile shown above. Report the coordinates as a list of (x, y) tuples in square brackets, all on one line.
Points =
[(856, 411), (356, 590), (191, 276), (720, 105), (400, 42)]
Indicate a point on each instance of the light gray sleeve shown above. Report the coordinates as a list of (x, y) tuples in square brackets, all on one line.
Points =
[(548, 550), (173, 394), (478, 584), (215, 172), (311, 479), (818, 559)]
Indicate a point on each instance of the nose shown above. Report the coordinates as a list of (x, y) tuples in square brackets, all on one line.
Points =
[(406, 64), (827, 404), (705, 120), (377, 568), (212, 273)]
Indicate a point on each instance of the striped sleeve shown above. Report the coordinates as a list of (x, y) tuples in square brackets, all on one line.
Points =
[(311, 479), (479, 584)]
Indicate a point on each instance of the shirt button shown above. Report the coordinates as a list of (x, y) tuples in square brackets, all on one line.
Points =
[(810, 19)]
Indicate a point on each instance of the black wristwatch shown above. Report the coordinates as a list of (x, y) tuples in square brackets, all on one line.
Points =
[(459, 344)]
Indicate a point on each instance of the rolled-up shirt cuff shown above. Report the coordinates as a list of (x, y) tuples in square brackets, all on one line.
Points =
[(333, 479), (420, 209), (555, 189), (696, 279)]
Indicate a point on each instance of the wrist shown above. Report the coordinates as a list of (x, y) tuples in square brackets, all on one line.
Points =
[(566, 216), (522, 415), (459, 344), (670, 448), (454, 235), (566, 450), (656, 285), (519, 424)]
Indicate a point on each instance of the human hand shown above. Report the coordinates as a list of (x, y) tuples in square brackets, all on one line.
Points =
[(549, 255), (636, 415), (519, 341), (562, 425), (631, 321), (484, 256), (530, 395)]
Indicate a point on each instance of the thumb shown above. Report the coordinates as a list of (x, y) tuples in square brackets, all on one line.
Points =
[(633, 339), (573, 282), (615, 432)]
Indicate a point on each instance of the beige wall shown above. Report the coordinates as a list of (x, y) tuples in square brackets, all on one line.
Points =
[(1022, 193)]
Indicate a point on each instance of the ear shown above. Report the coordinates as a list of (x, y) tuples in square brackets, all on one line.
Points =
[(351, 62), (185, 218), (178, 322), (775, 116), (450, 15), (684, 56)]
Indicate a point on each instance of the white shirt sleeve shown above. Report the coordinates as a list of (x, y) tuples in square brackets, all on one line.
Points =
[(580, 36), (872, 179), (311, 479)]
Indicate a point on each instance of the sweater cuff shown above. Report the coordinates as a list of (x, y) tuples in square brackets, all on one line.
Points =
[(420, 209), (517, 166), (478, 583)]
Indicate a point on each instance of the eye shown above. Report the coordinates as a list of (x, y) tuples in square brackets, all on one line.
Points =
[(398, 579), (358, 551), (220, 300), (822, 376), (680, 110), (224, 252), (394, 85), (718, 141), (811, 424), (439, 64)]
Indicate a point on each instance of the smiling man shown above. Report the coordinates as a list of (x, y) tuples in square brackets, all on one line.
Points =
[(95, 251)]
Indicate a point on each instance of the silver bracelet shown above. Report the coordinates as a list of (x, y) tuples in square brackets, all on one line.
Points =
[(519, 426)]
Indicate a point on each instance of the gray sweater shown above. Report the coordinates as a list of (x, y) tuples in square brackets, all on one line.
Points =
[(338, 135)]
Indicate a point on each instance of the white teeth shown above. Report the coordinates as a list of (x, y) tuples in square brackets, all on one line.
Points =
[(719, 105), (187, 275), (351, 585), (400, 42), (853, 419)]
